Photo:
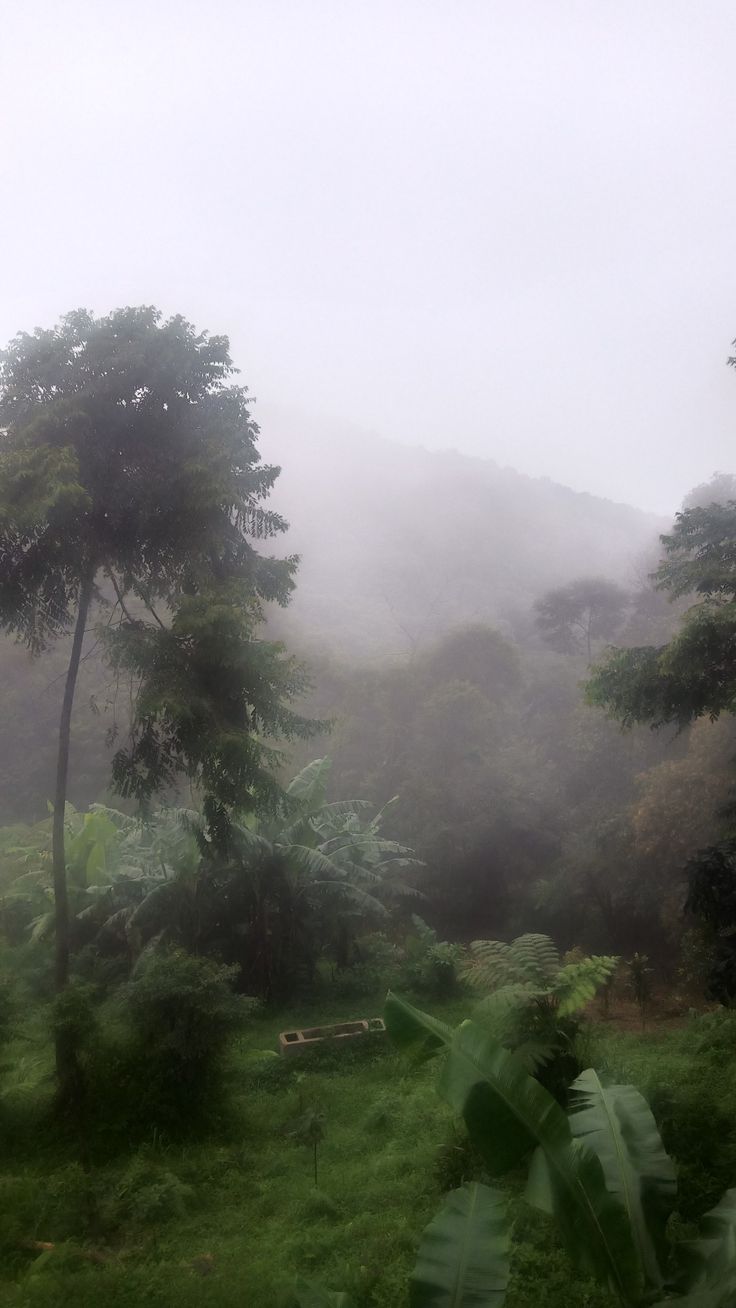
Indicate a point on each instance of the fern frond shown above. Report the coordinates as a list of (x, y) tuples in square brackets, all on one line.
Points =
[(536, 957), (529, 960), (490, 965), (577, 983)]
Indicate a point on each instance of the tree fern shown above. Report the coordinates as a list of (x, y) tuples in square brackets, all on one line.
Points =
[(530, 959)]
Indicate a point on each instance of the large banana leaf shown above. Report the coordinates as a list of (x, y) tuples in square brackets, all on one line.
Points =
[(413, 1032), (616, 1122), (463, 1259), (507, 1113), (710, 1262), (309, 785), (343, 808)]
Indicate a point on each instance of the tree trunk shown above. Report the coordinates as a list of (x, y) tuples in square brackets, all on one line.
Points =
[(67, 1068)]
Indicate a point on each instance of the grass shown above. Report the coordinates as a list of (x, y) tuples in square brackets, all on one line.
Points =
[(231, 1221)]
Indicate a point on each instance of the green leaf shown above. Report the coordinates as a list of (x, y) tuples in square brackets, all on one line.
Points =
[(42, 926), (310, 862), (506, 1110), (309, 785), (531, 960), (413, 1032), (463, 1258), (577, 983), (710, 1262), (617, 1123), (507, 1113), (310, 1295)]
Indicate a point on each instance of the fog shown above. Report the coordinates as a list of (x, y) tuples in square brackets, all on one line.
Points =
[(503, 229)]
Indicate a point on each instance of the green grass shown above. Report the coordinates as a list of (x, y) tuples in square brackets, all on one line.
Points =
[(234, 1219)]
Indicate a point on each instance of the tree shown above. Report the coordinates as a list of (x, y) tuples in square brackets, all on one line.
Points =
[(695, 673), (712, 899), (719, 490), (573, 617), (130, 483)]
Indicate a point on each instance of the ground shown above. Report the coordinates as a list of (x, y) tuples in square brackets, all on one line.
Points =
[(234, 1220)]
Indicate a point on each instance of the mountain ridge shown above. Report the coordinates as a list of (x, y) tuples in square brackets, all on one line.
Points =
[(399, 543)]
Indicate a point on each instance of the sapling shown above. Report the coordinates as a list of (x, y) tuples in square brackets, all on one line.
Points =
[(640, 974)]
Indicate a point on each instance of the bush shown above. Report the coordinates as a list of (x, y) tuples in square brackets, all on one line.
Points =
[(147, 1193), (159, 1063), (376, 969), (432, 965)]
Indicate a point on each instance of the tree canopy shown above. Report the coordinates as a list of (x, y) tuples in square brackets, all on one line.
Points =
[(694, 674), (130, 483), (573, 618)]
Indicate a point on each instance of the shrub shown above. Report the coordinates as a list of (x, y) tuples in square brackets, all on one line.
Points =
[(376, 969), (147, 1193), (432, 965), (159, 1062)]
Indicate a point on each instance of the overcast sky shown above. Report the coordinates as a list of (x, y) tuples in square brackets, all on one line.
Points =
[(508, 228)]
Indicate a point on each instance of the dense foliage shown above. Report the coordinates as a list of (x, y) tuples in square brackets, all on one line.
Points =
[(236, 886), (130, 482), (602, 1173)]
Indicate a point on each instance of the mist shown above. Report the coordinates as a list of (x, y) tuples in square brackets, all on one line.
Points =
[(505, 230), (367, 653)]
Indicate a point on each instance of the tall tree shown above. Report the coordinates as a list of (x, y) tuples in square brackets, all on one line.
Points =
[(130, 480), (572, 618), (694, 674)]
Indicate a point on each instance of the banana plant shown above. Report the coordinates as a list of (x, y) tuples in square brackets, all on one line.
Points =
[(601, 1172), (121, 872), (305, 877), (91, 858)]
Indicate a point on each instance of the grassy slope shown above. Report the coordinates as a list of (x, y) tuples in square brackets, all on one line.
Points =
[(232, 1222)]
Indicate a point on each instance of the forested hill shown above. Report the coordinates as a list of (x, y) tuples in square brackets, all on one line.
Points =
[(399, 544)]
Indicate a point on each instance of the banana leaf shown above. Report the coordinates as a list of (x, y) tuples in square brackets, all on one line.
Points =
[(463, 1259), (709, 1263), (507, 1114), (616, 1122), (413, 1032)]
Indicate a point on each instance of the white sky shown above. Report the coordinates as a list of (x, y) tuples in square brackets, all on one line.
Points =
[(502, 227)]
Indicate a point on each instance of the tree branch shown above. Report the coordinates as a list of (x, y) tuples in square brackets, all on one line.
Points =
[(120, 598)]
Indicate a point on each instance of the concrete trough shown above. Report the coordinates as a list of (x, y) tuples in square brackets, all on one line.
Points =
[(303, 1039)]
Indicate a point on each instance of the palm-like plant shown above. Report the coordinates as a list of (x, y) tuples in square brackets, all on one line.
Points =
[(92, 857), (307, 877), (530, 968), (126, 877), (601, 1172), (290, 885)]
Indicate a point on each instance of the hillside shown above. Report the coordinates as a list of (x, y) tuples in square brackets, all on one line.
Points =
[(399, 544)]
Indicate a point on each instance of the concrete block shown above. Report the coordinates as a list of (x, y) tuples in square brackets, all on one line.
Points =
[(303, 1039)]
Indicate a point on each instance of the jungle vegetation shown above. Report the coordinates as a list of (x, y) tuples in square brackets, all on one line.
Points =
[(210, 835)]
